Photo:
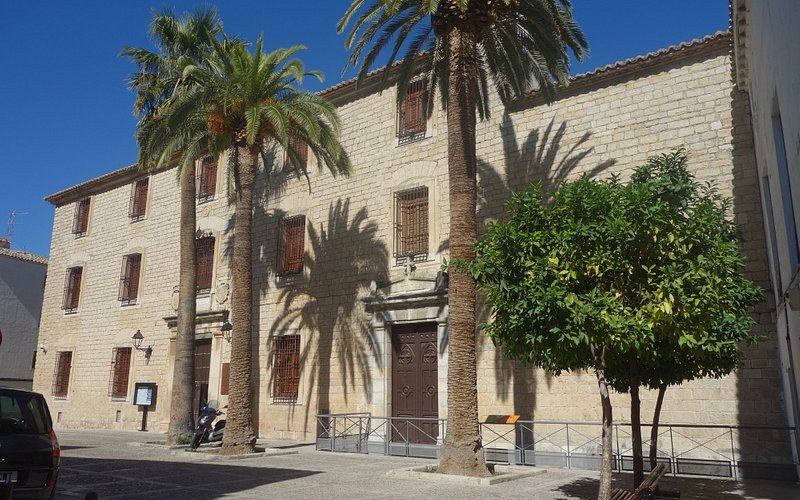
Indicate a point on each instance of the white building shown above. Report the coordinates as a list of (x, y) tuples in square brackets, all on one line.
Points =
[(768, 68), (22, 277)]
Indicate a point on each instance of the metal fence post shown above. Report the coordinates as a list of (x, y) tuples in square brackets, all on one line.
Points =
[(333, 435), (569, 450), (733, 455), (672, 453)]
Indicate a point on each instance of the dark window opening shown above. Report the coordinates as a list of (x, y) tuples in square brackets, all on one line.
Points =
[(138, 204), (80, 223), (411, 225), (61, 378), (205, 264), (286, 375), (291, 245), (120, 369), (208, 180), (129, 281), (72, 290), (412, 119)]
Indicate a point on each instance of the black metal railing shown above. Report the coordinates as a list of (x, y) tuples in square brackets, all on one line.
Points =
[(729, 451)]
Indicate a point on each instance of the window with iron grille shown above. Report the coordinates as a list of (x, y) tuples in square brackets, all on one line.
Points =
[(120, 369), (205, 263), (72, 290), (291, 245), (412, 122), (411, 225), (301, 149), (138, 204), (129, 281), (208, 179), (286, 374), (61, 375), (80, 223)]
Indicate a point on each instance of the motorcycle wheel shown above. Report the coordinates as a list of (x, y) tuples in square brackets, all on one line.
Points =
[(196, 438)]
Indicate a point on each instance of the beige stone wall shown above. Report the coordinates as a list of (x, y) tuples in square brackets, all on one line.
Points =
[(101, 322), (607, 127)]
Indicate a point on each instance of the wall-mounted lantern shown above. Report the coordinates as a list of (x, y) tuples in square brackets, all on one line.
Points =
[(227, 329), (138, 339)]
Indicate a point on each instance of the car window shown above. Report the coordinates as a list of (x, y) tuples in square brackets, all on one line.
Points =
[(22, 413)]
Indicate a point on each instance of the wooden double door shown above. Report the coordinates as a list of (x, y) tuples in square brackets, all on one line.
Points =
[(202, 367), (415, 383)]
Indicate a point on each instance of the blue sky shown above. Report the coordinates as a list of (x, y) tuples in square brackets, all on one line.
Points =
[(67, 112)]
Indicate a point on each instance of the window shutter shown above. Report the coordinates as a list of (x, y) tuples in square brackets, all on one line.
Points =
[(208, 179), (286, 376), (72, 289), (120, 370), (129, 281), (301, 149), (61, 376), (291, 245), (138, 204), (205, 263), (413, 122), (80, 222), (411, 224)]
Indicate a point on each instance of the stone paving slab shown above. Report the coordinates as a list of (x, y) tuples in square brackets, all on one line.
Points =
[(101, 461)]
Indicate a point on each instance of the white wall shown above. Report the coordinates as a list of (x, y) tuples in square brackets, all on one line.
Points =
[(771, 41), (21, 290)]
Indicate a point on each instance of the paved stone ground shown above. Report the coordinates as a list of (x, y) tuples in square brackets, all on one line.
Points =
[(107, 463)]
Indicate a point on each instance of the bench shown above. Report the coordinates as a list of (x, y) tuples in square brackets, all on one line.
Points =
[(646, 490)]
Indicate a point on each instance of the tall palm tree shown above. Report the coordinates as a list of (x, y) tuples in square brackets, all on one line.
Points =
[(244, 103), (516, 44), (159, 77)]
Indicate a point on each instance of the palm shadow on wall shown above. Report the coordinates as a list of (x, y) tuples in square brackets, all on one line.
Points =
[(344, 256), (540, 157), (270, 186)]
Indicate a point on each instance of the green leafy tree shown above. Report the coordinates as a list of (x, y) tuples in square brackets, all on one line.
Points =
[(178, 41), (243, 103), (517, 44), (610, 277), (687, 255)]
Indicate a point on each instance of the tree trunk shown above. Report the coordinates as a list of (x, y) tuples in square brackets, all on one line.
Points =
[(636, 420), (239, 435), (180, 409), (462, 452), (662, 388), (608, 420)]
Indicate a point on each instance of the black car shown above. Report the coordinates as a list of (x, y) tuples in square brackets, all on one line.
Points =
[(29, 450)]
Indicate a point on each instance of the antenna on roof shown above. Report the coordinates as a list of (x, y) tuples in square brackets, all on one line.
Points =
[(11, 223)]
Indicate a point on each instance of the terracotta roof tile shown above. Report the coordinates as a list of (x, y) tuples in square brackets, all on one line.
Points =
[(18, 254)]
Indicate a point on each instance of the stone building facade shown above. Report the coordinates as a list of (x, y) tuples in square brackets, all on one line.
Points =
[(336, 334)]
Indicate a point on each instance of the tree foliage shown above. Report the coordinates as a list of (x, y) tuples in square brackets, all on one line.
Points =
[(649, 268), (242, 102), (653, 265)]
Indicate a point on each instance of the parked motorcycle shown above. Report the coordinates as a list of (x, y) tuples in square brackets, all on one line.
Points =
[(203, 431)]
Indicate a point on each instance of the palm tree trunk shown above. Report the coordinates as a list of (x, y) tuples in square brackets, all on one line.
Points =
[(608, 419), (180, 409), (636, 420), (239, 434), (462, 452), (662, 388)]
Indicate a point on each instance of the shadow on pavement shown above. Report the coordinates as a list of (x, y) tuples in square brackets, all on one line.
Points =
[(690, 488), (175, 480)]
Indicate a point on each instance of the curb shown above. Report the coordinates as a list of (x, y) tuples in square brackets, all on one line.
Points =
[(428, 473)]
